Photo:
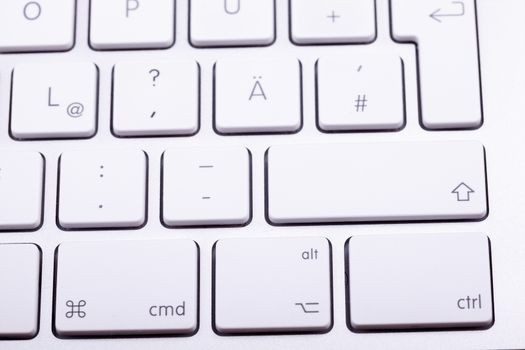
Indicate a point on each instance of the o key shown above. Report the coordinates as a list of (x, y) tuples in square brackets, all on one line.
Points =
[(37, 25)]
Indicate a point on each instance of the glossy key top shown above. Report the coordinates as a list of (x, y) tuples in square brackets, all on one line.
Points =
[(19, 290), (419, 281), (265, 285), (126, 288), (403, 181), (449, 76)]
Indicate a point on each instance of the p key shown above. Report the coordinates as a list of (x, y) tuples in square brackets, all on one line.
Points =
[(132, 24)]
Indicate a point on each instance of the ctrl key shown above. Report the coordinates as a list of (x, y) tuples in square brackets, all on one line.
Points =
[(19, 290), (436, 281), (127, 288)]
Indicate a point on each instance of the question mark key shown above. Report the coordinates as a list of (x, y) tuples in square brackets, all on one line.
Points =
[(156, 98)]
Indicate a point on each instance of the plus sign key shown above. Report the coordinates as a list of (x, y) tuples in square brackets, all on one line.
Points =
[(332, 21), (360, 92)]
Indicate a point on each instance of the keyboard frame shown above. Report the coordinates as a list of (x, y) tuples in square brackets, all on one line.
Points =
[(503, 78)]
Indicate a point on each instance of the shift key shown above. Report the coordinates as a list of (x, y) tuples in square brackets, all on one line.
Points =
[(360, 182)]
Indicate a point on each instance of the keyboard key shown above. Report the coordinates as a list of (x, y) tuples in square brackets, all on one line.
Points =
[(232, 22), (419, 281), (41, 25), (360, 92), (21, 190), (156, 98), (126, 288), (206, 186), (132, 24), (332, 21), (446, 35), (19, 290), (376, 182), (54, 100), (102, 189), (272, 285), (257, 96)]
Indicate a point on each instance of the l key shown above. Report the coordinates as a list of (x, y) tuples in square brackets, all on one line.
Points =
[(446, 35)]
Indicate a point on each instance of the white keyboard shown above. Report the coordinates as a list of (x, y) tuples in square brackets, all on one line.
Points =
[(262, 174)]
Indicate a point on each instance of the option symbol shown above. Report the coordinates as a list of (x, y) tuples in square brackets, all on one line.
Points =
[(309, 308)]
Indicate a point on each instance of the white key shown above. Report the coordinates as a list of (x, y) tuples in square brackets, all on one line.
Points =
[(206, 186), (54, 100), (39, 25), (232, 22), (446, 35), (419, 281), (105, 188), (271, 285), (21, 190), (257, 95), (19, 290), (376, 182), (156, 98), (360, 92), (132, 24), (332, 21), (126, 288)]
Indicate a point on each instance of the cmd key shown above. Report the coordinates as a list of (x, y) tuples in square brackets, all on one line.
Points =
[(410, 181), (126, 288), (449, 77)]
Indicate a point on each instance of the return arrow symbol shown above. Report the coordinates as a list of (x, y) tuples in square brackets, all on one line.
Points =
[(438, 13)]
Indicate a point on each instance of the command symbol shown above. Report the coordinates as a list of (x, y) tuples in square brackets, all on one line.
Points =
[(76, 309)]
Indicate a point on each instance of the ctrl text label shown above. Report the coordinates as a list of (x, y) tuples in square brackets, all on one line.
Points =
[(167, 310), (469, 303)]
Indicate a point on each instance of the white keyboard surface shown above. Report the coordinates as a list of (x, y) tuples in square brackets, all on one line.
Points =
[(262, 174)]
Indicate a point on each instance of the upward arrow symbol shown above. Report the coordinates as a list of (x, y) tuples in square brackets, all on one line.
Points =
[(462, 191)]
